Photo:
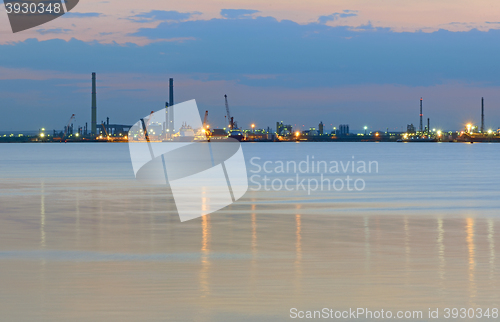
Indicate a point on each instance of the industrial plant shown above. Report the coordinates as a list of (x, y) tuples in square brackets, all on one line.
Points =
[(166, 131)]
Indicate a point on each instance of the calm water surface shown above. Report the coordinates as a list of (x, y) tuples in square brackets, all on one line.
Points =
[(81, 240)]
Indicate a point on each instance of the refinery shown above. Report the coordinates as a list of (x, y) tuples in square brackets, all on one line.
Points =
[(105, 131)]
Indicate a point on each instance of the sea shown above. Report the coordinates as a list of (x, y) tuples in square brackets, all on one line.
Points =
[(325, 231)]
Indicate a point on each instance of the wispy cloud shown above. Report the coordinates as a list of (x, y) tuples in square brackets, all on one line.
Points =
[(82, 15), (338, 15), (162, 15), (53, 31), (237, 13)]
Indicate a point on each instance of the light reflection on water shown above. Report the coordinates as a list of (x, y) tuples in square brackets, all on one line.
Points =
[(441, 254), (472, 261), (205, 252), (42, 215), (111, 249), (491, 242), (298, 252)]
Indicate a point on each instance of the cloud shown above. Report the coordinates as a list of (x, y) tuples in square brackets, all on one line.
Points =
[(162, 15), (298, 55), (53, 31), (260, 63), (82, 15), (338, 15), (237, 13)]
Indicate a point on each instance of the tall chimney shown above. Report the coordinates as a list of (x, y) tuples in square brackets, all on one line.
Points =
[(167, 120), (482, 114), (171, 104), (94, 106), (428, 125), (421, 124)]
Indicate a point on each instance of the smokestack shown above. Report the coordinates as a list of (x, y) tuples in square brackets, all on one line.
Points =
[(171, 104), (167, 120), (428, 125), (482, 114), (94, 106), (421, 124)]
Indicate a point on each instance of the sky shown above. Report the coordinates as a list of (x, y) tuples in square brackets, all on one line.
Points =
[(356, 62)]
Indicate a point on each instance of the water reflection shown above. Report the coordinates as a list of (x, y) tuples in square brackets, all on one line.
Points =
[(407, 248), (43, 262), (298, 251), (77, 221), (491, 242), (254, 234), (254, 249), (471, 252), (367, 243), (205, 253), (298, 241), (440, 244), (42, 215)]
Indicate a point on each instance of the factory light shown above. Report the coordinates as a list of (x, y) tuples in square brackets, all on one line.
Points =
[(439, 133), (490, 131), (297, 134), (42, 135)]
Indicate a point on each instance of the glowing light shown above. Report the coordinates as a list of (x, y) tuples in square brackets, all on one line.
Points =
[(439, 133), (366, 127), (490, 131), (297, 133), (43, 129), (42, 135), (377, 134), (433, 130), (253, 126), (77, 134), (208, 126)]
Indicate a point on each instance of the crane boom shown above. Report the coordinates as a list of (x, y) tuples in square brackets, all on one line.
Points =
[(229, 118), (104, 128), (67, 126), (205, 120)]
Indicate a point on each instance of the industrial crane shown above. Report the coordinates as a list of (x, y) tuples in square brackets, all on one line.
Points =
[(205, 120), (232, 124), (67, 126), (104, 129)]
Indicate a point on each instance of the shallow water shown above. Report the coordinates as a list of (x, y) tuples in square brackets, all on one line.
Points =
[(81, 240)]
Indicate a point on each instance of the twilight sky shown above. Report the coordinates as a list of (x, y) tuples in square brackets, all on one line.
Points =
[(361, 62)]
